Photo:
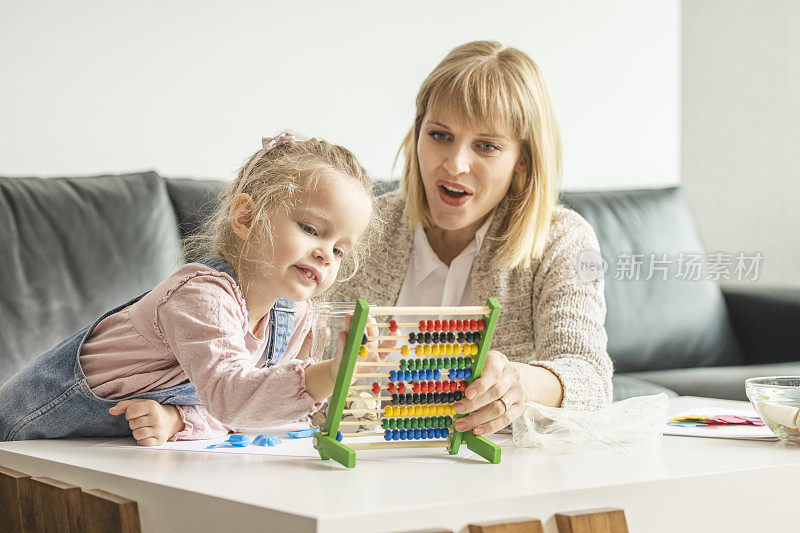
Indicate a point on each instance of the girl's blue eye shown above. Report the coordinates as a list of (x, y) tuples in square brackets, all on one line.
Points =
[(338, 252), (308, 229)]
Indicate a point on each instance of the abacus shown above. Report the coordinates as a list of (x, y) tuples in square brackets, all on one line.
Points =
[(418, 410)]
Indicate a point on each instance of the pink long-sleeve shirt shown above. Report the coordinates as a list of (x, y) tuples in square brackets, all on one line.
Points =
[(194, 326)]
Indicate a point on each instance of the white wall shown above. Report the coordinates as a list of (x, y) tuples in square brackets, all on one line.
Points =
[(741, 128), (188, 88)]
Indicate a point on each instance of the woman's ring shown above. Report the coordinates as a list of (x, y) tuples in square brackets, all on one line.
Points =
[(506, 403)]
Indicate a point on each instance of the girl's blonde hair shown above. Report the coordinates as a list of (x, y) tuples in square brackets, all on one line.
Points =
[(274, 180), (484, 83)]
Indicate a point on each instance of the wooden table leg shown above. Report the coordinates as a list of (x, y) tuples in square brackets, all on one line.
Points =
[(520, 525), (104, 512), (592, 521), (16, 503), (57, 506)]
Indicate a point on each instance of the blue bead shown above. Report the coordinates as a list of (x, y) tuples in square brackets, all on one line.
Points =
[(403, 434), (467, 373), (408, 375), (429, 374), (437, 374), (425, 433), (387, 435), (415, 374), (339, 436), (417, 433), (395, 434), (459, 374), (393, 375)]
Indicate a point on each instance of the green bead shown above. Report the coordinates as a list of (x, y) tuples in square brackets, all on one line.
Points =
[(385, 423), (448, 422), (407, 423), (403, 364), (426, 364), (446, 362), (414, 423)]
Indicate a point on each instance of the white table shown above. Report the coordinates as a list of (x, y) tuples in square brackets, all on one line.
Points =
[(684, 484)]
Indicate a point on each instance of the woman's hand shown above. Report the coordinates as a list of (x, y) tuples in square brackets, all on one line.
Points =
[(152, 424), (499, 395)]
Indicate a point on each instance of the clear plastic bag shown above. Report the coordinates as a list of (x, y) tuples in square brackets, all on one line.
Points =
[(556, 430)]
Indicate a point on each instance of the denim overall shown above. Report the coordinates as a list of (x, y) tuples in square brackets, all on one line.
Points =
[(50, 398)]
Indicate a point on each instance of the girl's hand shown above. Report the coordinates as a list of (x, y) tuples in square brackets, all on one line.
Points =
[(152, 423), (501, 379)]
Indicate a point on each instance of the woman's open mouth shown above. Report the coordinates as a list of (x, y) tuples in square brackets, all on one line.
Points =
[(452, 194)]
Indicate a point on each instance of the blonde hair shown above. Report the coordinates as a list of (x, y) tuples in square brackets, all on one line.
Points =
[(485, 83), (274, 180)]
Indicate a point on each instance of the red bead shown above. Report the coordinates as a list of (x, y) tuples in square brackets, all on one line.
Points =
[(453, 386), (462, 386), (473, 325), (430, 325), (401, 387), (437, 325), (393, 325), (439, 386), (376, 388), (391, 387), (423, 386), (459, 325), (415, 386), (423, 326), (453, 324), (445, 325), (481, 325)]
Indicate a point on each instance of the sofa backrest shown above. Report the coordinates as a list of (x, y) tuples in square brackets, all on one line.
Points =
[(72, 249), (670, 320)]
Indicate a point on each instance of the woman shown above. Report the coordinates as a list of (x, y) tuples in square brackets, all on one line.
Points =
[(476, 217)]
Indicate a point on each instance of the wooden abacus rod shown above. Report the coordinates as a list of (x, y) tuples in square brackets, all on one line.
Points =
[(380, 412), (361, 387), (381, 398), (398, 444), (383, 375), (379, 363), (360, 423), (434, 311), (389, 325), (388, 338)]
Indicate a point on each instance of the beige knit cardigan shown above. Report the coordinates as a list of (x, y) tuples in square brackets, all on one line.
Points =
[(549, 317)]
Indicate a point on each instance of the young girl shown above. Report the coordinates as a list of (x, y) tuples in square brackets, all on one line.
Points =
[(220, 342)]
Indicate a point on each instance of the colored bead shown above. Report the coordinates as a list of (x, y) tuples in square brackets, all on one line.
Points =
[(425, 433), (481, 325), (459, 325), (395, 411), (392, 375), (387, 435), (393, 325), (415, 396), (415, 374), (427, 349), (362, 352), (437, 325), (387, 411), (420, 337), (417, 433), (392, 423), (401, 399), (415, 386), (407, 375), (462, 386), (429, 374), (402, 434), (403, 364), (426, 364), (385, 423), (435, 349), (410, 411), (453, 324), (401, 387), (407, 422), (339, 436), (405, 350), (395, 434), (430, 326), (376, 387), (419, 349), (403, 410), (412, 338), (451, 337), (476, 336), (391, 387), (428, 337), (423, 326), (445, 325)]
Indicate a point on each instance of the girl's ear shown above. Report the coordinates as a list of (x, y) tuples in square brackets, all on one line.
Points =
[(241, 215)]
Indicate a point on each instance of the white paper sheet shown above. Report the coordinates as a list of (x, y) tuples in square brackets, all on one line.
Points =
[(747, 432)]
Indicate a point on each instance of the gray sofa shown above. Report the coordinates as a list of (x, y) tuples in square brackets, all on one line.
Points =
[(72, 248)]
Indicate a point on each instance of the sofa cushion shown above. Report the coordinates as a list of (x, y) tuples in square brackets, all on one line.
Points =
[(726, 382), (74, 248), (655, 324), (193, 201)]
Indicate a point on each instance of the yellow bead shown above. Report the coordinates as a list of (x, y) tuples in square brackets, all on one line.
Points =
[(474, 350), (439, 410), (426, 410), (442, 349), (403, 410), (448, 349), (427, 349), (410, 410), (419, 349), (387, 411), (466, 349), (435, 349), (395, 410), (456, 349), (405, 349), (362, 352)]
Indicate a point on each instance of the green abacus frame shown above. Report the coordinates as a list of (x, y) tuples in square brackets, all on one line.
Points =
[(325, 441)]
